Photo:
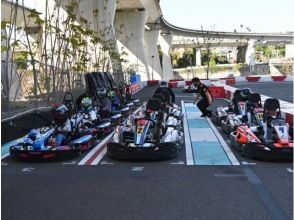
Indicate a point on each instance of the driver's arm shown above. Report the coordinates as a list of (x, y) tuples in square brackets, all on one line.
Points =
[(197, 97)]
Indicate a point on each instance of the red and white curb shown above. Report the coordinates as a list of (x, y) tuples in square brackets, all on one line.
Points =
[(97, 153)]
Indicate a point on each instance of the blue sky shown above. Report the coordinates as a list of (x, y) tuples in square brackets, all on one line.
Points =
[(227, 15)]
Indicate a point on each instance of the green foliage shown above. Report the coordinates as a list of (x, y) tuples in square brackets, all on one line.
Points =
[(22, 59)]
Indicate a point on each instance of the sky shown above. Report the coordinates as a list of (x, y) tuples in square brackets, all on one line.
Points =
[(227, 15)]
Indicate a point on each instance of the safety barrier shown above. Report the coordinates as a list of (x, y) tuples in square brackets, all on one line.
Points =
[(173, 80), (217, 91), (252, 78), (230, 80), (188, 83), (278, 78), (173, 84), (152, 82), (135, 87)]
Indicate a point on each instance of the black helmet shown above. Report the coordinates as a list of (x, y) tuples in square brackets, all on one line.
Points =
[(163, 84), (60, 113), (245, 92)]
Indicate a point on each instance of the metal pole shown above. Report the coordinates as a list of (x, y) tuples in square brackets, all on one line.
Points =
[(152, 66)]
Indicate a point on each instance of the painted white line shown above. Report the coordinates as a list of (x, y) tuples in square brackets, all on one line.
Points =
[(246, 163), (69, 163), (178, 163), (104, 162), (183, 96), (95, 149), (137, 91), (290, 170), (100, 156), (137, 169), (225, 146), (189, 154), (4, 164), (28, 169), (4, 156), (229, 175)]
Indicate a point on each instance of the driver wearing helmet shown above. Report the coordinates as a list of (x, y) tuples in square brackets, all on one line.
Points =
[(62, 122), (164, 86), (87, 108), (104, 103), (245, 93)]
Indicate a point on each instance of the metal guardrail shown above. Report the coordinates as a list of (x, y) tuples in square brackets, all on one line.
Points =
[(23, 113)]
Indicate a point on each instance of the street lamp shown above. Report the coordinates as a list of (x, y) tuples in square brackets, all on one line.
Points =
[(152, 65)]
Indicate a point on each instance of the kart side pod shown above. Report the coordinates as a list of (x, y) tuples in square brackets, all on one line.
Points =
[(237, 140), (173, 136)]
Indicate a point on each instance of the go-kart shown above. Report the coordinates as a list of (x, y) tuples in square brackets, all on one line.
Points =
[(172, 112), (270, 141), (190, 89), (146, 136), (221, 112), (236, 115), (255, 110), (40, 148), (39, 144)]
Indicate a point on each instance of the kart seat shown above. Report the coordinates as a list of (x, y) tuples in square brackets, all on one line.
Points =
[(271, 108), (254, 100), (68, 101), (237, 94)]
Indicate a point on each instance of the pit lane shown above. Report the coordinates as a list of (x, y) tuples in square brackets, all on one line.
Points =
[(166, 189)]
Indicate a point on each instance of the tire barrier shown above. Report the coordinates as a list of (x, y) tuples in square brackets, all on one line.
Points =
[(278, 78), (188, 83), (252, 78), (173, 80), (173, 84), (230, 81), (217, 91), (152, 82)]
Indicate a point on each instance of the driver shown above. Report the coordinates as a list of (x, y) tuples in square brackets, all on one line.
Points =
[(87, 108), (104, 103), (203, 92), (164, 86), (62, 122)]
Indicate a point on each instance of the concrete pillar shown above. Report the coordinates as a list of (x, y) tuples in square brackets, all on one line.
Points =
[(104, 24), (241, 54), (151, 51), (198, 57), (130, 26), (165, 44), (289, 50), (249, 59)]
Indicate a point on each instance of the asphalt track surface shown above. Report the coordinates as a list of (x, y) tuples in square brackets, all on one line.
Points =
[(166, 189), (280, 90)]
